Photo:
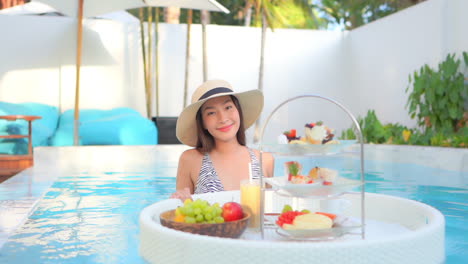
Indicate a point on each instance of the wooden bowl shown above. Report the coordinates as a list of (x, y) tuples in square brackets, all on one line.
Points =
[(232, 229)]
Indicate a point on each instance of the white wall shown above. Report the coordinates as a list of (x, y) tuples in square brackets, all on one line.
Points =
[(384, 53), (366, 68), (38, 55), (296, 62)]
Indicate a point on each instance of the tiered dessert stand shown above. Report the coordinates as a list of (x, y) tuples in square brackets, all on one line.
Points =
[(315, 191)]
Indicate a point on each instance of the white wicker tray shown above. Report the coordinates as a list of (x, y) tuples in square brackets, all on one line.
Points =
[(397, 231)]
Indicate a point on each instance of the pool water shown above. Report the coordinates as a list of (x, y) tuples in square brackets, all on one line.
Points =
[(94, 218)]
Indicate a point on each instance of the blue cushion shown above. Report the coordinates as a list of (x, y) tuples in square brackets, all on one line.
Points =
[(119, 126), (42, 129)]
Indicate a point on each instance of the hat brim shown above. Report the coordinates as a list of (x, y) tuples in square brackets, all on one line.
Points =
[(251, 103)]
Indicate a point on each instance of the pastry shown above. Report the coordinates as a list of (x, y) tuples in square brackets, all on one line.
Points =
[(318, 133)]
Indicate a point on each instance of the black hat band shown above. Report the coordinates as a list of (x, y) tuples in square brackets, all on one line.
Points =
[(214, 91)]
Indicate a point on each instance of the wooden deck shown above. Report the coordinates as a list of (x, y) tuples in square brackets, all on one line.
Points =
[(11, 165)]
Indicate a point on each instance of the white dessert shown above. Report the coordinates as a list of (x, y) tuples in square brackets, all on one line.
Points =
[(316, 134), (310, 221), (327, 175), (282, 139)]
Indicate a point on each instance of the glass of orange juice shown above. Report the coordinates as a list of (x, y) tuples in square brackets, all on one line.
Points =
[(250, 201)]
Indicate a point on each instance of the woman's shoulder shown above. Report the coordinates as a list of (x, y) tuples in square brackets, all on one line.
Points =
[(191, 155)]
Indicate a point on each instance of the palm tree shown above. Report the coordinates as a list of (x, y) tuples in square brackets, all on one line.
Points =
[(354, 13)]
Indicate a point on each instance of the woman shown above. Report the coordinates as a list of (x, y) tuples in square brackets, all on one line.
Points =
[(214, 124)]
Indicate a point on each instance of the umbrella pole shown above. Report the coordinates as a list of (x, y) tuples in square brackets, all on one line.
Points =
[(187, 56), (79, 45), (156, 63), (204, 17)]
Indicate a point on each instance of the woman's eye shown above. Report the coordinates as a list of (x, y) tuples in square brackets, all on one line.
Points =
[(228, 107), (210, 113)]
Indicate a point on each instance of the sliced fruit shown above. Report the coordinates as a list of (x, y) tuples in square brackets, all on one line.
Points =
[(287, 217), (313, 173), (291, 134), (330, 215), (289, 226), (286, 208), (312, 221), (179, 218)]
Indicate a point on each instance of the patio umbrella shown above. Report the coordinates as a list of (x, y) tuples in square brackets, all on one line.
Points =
[(88, 8)]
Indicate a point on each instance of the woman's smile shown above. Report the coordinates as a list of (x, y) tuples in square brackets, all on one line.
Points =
[(225, 128)]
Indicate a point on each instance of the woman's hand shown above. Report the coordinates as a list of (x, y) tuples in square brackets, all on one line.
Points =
[(183, 194)]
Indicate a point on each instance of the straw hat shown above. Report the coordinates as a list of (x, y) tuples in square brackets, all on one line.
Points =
[(251, 103)]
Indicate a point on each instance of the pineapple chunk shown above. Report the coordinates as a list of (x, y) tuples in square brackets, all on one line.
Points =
[(312, 221)]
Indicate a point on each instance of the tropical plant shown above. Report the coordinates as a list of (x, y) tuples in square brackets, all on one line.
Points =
[(437, 97), (372, 129), (375, 132)]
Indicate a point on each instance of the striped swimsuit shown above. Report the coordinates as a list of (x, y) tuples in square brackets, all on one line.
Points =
[(208, 180)]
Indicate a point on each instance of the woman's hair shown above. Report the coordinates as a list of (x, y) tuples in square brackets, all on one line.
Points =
[(205, 141)]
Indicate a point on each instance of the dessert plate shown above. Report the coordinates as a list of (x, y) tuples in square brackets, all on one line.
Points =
[(307, 149), (341, 226), (339, 186)]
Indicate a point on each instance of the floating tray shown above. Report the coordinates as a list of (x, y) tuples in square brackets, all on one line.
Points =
[(419, 237)]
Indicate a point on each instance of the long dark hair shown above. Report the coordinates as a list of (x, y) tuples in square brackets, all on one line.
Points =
[(205, 141)]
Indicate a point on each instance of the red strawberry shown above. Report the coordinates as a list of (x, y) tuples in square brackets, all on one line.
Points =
[(292, 133), (288, 217)]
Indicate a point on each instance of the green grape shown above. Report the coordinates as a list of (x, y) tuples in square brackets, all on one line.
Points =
[(219, 219), (286, 208), (187, 201), (198, 203), (216, 205), (306, 211), (208, 210), (197, 211), (189, 205), (189, 212), (211, 221), (208, 216), (178, 211), (189, 220), (199, 218), (218, 211), (182, 210)]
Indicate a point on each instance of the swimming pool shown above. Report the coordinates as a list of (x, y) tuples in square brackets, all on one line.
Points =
[(92, 217)]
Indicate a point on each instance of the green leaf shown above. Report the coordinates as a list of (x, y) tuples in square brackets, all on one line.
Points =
[(453, 112)]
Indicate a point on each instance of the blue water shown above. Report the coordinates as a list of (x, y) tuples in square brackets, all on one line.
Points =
[(94, 219)]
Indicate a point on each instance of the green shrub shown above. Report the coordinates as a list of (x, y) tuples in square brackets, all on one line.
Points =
[(437, 101), (375, 133), (437, 98)]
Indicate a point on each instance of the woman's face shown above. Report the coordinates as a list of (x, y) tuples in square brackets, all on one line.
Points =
[(221, 118)]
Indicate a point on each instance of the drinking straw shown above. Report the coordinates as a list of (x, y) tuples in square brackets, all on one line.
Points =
[(250, 172)]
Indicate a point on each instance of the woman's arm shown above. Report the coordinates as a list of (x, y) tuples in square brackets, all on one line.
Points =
[(184, 183), (268, 163)]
